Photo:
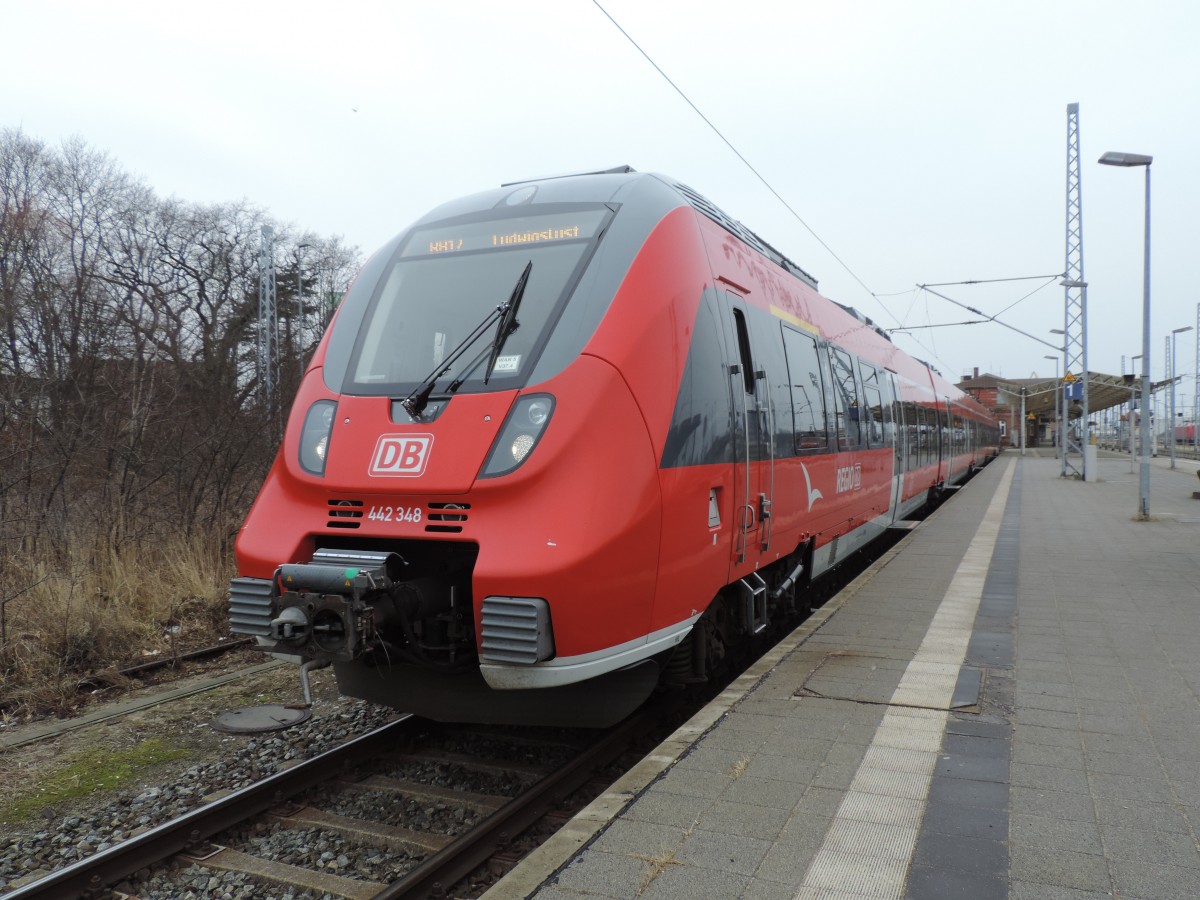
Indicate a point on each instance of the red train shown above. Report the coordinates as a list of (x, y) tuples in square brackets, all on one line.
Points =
[(574, 437)]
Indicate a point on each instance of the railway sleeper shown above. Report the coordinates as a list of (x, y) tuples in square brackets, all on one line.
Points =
[(362, 832), (485, 804), (285, 874), (501, 767)]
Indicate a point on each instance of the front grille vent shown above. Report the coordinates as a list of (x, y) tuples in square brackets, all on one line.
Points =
[(250, 606), (516, 630), (447, 518), (345, 513)]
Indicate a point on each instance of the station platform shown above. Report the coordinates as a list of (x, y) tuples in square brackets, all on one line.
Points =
[(1005, 705)]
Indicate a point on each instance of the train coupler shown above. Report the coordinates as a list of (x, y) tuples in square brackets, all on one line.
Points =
[(323, 607)]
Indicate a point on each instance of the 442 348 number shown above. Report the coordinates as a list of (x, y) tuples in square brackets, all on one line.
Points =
[(395, 514)]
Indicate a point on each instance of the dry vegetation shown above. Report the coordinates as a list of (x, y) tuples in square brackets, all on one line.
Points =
[(91, 613), (133, 433)]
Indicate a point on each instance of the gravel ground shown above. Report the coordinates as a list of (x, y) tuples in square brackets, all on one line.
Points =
[(431, 818), (62, 836)]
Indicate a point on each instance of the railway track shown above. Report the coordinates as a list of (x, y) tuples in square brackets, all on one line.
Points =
[(360, 792)]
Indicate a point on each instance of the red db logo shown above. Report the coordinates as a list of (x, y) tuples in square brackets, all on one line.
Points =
[(401, 455)]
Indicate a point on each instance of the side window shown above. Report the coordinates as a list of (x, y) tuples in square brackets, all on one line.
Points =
[(908, 412), (873, 405), (743, 337), (925, 435), (845, 395), (807, 390)]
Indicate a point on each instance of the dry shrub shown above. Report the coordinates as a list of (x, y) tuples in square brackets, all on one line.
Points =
[(101, 607)]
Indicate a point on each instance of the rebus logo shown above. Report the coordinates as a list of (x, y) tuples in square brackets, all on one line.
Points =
[(401, 455)]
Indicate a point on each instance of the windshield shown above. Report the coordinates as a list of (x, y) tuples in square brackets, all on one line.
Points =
[(446, 278)]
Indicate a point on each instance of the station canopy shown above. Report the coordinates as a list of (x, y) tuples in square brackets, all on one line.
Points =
[(1104, 392)]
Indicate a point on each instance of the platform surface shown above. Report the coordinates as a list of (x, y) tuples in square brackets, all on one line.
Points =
[(1004, 706)]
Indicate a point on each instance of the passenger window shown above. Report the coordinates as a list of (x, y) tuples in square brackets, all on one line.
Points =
[(873, 402), (807, 391), (743, 336), (845, 394)]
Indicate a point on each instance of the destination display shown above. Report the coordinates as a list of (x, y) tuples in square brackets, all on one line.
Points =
[(504, 233)]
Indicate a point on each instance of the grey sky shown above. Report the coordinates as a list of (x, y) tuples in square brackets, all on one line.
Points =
[(922, 141)]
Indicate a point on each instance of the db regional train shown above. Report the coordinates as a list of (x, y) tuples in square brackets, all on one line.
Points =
[(572, 439)]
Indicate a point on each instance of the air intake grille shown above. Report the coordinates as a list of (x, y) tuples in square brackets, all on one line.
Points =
[(345, 513), (250, 606), (516, 630), (447, 518)]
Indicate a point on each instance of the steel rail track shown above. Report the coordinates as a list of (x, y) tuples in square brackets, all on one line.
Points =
[(433, 877), (103, 869)]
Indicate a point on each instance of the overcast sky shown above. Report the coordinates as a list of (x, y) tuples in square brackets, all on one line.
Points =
[(922, 141)]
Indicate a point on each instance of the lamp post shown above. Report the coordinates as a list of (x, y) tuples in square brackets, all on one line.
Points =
[(1171, 375), (1084, 441), (1130, 160), (1057, 420), (1061, 395), (1133, 396)]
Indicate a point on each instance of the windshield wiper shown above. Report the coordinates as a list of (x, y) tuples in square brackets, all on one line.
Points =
[(508, 321), (414, 404)]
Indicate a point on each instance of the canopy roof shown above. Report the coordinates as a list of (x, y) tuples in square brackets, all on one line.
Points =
[(1104, 391)]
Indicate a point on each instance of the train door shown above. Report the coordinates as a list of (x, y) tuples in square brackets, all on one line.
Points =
[(754, 451), (878, 465), (946, 469), (898, 436)]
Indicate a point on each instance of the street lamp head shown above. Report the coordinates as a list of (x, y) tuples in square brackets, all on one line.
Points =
[(1112, 158), (1057, 331), (1072, 283), (1048, 356), (1181, 330)]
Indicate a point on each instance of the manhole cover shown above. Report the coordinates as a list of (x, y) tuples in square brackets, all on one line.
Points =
[(874, 679), (255, 719), (856, 677)]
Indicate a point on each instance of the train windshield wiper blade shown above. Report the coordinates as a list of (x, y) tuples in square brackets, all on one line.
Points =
[(414, 404), (508, 321)]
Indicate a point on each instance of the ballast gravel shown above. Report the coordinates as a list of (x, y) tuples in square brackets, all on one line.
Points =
[(40, 850)]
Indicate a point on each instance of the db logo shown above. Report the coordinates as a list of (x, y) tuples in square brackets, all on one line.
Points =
[(401, 454)]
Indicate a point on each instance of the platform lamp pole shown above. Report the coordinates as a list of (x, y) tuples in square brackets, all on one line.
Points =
[(1057, 420), (1133, 398), (1061, 395), (1130, 160), (1171, 374)]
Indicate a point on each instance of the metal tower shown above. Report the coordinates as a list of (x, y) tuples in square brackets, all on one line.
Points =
[(268, 327), (1075, 301)]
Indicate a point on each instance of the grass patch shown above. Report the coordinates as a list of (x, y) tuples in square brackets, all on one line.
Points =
[(95, 770), (98, 608)]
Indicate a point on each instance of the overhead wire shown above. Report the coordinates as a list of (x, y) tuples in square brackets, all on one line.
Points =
[(1040, 287), (728, 143)]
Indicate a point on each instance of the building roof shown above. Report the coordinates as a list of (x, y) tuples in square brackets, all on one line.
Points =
[(1104, 391)]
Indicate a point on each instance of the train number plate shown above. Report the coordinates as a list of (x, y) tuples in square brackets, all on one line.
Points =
[(395, 514)]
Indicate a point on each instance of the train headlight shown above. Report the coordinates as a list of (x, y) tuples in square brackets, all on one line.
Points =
[(521, 446), (314, 437), (519, 435)]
